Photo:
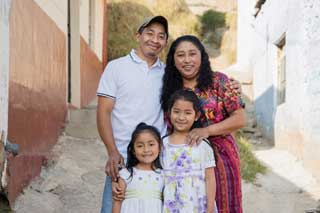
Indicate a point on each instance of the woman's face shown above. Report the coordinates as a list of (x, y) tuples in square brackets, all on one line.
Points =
[(187, 59)]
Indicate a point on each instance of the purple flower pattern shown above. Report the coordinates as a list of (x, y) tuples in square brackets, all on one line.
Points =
[(183, 169)]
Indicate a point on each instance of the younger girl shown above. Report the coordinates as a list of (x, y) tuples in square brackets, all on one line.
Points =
[(188, 171), (141, 180)]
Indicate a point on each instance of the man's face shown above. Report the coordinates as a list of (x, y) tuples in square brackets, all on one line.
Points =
[(152, 40)]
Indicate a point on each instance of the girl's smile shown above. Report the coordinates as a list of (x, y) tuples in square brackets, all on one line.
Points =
[(146, 150), (182, 115)]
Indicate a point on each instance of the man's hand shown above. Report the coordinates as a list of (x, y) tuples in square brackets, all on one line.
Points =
[(115, 161), (235, 85), (196, 135)]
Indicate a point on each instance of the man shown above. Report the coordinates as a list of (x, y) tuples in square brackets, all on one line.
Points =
[(129, 93)]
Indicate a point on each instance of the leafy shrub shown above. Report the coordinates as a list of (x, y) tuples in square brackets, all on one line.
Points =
[(124, 16), (211, 20), (122, 26), (250, 165)]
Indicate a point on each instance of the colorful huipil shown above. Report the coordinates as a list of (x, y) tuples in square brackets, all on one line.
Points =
[(184, 176), (218, 103)]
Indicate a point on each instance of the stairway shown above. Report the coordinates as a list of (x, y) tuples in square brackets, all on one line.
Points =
[(81, 123)]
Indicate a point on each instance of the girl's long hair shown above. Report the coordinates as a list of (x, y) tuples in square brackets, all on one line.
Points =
[(172, 79), (132, 161)]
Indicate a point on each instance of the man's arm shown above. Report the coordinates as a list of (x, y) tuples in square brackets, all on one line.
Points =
[(105, 107), (210, 188)]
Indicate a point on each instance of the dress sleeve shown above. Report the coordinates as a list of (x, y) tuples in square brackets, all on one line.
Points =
[(207, 155), (108, 82), (124, 174), (163, 151), (231, 99)]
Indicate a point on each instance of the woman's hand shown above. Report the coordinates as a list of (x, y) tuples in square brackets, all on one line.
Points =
[(196, 135), (234, 85)]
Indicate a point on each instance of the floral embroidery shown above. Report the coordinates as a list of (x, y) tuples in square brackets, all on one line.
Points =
[(219, 101)]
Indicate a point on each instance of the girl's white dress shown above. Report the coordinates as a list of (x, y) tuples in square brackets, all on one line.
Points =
[(144, 191), (184, 176)]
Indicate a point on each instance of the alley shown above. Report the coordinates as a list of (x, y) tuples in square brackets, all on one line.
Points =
[(73, 182)]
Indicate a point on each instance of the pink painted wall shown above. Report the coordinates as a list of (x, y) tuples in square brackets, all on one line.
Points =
[(37, 90), (90, 69)]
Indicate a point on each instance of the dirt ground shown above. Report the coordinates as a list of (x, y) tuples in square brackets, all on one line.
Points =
[(73, 182), (287, 187)]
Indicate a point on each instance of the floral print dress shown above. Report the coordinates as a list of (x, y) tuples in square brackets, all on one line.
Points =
[(184, 176)]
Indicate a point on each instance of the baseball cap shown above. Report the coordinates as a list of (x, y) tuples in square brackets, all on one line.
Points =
[(154, 19)]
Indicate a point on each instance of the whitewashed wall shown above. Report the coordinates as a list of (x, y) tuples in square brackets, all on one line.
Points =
[(4, 63), (84, 19), (295, 124), (96, 26), (311, 84), (245, 32)]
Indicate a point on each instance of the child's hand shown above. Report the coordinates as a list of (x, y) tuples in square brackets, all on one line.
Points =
[(118, 190), (196, 135)]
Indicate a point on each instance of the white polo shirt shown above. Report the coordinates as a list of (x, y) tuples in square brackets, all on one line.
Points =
[(136, 90)]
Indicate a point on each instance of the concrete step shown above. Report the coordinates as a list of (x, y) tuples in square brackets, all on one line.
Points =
[(81, 123)]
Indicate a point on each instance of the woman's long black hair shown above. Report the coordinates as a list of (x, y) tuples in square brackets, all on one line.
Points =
[(172, 79), (132, 161)]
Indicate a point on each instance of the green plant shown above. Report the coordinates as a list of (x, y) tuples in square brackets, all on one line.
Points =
[(211, 20), (124, 16), (122, 26), (250, 165)]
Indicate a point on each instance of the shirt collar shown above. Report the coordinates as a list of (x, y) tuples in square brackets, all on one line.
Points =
[(137, 59)]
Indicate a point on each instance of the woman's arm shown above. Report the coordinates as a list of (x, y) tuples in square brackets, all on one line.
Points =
[(210, 188), (235, 121), (118, 189)]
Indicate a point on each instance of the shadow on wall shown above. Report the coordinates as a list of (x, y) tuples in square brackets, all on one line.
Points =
[(265, 112), (286, 186)]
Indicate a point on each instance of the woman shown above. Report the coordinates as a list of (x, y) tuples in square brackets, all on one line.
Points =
[(188, 66)]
